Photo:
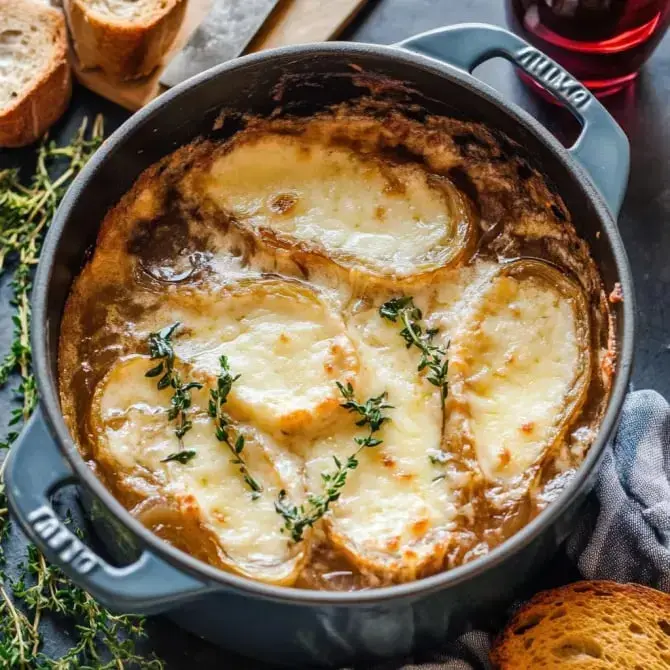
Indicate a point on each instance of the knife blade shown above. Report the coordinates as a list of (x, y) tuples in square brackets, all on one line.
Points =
[(223, 34)]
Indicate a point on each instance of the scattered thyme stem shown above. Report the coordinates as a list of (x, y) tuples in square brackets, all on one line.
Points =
[(298, 518), (218, 398)]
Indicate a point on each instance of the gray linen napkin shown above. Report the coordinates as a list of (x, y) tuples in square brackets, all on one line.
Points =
[(624, 534)]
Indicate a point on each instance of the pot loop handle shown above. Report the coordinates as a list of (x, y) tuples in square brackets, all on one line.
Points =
[(35, 469), (601, 148)]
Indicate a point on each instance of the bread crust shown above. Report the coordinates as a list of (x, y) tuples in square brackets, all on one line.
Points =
[(41, 105), (123, 49), (599, 603)]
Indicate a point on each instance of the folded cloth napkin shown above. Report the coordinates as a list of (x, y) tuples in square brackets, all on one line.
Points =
[(624, 534)]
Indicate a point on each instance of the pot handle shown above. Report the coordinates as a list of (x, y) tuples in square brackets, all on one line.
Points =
[(601, 148), (35, 469)]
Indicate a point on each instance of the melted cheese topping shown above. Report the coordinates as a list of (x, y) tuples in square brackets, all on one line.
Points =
[(135, 436), (287, 345), (392, 219), (517, 371), (393, 517)]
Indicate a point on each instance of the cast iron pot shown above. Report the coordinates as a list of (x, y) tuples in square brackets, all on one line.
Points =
[(283, 625)]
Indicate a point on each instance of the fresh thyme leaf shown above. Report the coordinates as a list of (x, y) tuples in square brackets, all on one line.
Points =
[(298, 518), (433, 357), (182, 457), (391, 309), (370, 411), (218, 398), (20, 639), (160, 347)]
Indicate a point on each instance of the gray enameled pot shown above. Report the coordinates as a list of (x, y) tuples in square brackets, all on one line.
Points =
[(282, 625)]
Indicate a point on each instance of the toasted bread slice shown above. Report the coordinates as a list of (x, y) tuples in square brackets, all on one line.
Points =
[(288, 346), (35, 81), (125, 38), (339, 204), (207, 503), (508, 398), (588, 625), (395, 516)]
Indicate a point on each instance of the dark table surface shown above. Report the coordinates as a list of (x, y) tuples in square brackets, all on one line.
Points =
[(643, 112)]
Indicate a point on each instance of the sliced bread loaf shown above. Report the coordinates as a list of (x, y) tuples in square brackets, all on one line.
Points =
[(35, 81), (588, 625), (125, 38)]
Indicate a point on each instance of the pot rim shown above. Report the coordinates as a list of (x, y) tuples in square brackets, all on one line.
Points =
[(214, 576)]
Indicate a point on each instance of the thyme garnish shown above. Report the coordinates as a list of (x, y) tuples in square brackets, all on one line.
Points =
[(433, 357), (160, 347), (298, 518), (370, 413), (218, 398), (100, 639), (182, 457)]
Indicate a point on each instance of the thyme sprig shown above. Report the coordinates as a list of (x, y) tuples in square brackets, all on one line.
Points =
[(298, 518), (433, 357), (105, 641), (25, 215), (218, 398), (182, 457), (101, 640), (160, 348), (370, 412)]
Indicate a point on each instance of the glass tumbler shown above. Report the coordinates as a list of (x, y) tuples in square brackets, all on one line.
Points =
[(603, 43)]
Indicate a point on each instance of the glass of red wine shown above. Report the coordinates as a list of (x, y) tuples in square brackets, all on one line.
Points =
[(603, 43)]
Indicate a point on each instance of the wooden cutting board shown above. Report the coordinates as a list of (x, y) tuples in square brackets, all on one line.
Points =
[(292, 22)]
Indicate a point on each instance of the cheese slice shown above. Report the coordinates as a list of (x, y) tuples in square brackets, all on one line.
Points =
[(518, 370), (362, 212), (133, 437), (395, 513), (288, 346)]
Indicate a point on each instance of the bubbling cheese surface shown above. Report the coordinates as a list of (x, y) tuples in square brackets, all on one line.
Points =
[(393, 219), (276, 249)]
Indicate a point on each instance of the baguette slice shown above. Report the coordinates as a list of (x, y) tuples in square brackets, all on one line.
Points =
[(35, 81), (125, 38), (588, 625)]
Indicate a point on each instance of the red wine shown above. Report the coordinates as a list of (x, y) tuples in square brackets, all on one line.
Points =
[(601, 42)]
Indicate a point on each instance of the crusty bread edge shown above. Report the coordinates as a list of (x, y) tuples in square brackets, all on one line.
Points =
[(500, 659), (122, 50), (44, 103)]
